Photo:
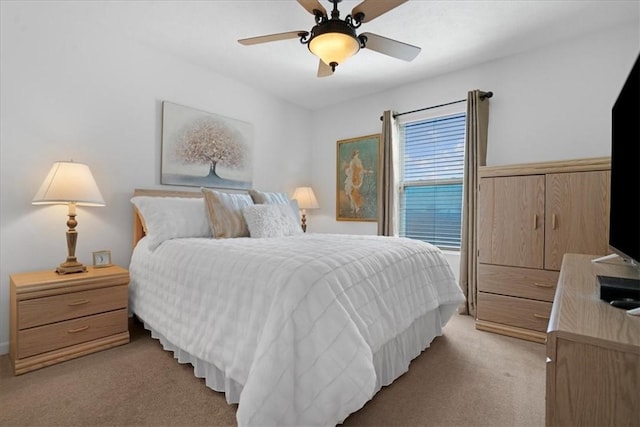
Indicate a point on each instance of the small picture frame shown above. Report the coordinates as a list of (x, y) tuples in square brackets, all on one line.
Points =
[(102, 259)]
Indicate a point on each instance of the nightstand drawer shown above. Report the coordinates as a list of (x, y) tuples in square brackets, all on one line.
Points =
[(519, 312), (63, 334), (518, 282), (42, 311)]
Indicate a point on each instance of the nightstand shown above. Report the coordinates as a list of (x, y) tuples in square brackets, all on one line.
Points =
[(60, 317)]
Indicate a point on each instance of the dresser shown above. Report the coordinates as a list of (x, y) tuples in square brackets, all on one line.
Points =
[(55, 317), (529, 216), (593, 350)]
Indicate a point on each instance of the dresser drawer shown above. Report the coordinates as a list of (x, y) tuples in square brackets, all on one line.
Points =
[(56, 308), (63, 334), (519, 312), (518, 282)]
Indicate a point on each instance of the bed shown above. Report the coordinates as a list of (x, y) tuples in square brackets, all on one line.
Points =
[(297, 328)]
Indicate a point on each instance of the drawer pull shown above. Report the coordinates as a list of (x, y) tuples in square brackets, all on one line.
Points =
[(540, 316), (544, 285), (535, 221), (80, 329), (79, 302), (553, 221)]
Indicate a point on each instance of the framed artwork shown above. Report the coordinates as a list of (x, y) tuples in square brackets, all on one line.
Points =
[(203, 149), (357, 178)]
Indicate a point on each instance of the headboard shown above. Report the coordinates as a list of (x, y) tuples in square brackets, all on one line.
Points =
[(138, 226)]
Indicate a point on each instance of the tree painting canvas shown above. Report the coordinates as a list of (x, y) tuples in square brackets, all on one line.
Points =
[(202, 149), (358, 170)]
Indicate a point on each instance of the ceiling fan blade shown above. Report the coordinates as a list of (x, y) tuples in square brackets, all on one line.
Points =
[(273, 37), (374, 8), (324, 70), (391, 47), (311, 5)]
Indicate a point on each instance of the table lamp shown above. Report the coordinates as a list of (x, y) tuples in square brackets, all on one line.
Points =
[(71, 184), (306, 200)]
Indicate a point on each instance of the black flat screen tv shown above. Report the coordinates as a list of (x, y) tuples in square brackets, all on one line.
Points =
[(624, 219)]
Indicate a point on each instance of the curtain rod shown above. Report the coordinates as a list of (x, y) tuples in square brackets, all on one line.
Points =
[(483, 96)]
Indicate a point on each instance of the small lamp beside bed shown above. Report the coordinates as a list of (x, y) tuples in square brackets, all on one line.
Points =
[(306, 200), (71, 184)]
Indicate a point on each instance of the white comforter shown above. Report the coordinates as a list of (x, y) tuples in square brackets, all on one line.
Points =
[(294, 320)]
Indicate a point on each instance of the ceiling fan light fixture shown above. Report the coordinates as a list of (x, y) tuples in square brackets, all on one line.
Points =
[(333, 42)]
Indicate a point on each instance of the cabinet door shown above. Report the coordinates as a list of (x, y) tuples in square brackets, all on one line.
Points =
[(577, 212), (511, 221)]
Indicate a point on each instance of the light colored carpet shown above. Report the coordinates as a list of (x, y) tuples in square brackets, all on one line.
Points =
[(466, 378)]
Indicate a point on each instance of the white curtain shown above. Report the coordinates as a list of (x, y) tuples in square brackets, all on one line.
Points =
[(475, 156), (388, 191)]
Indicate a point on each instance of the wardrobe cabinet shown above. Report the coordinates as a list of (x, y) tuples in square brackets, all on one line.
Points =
[(529, 216)]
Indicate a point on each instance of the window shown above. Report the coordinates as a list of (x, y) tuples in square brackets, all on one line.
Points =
[(432, 159)]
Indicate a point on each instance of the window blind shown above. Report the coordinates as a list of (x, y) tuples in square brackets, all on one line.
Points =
[(431, 181)]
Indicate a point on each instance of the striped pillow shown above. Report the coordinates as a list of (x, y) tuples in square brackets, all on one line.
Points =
[(225, 213), (263, 198)]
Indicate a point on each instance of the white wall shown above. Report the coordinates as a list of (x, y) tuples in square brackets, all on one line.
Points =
[(549, 104), (70, 93)]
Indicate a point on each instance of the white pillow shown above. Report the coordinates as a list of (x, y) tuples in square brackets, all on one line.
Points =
[(270, 221), (272, 198), (165, 218)]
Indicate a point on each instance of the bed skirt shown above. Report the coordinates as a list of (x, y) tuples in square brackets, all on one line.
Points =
[(390, 361)]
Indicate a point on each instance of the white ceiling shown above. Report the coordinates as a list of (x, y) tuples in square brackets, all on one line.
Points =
[(452, 34)]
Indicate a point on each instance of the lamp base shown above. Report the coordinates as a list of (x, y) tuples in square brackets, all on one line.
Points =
[(71, 267)]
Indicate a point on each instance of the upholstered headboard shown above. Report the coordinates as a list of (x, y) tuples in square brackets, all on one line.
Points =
[(138, 225)]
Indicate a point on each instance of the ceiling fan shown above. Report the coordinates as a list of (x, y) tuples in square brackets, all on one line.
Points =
[(334, 40)]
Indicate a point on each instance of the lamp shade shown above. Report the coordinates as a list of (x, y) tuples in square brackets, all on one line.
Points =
[(306, 198), (69, 182)]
